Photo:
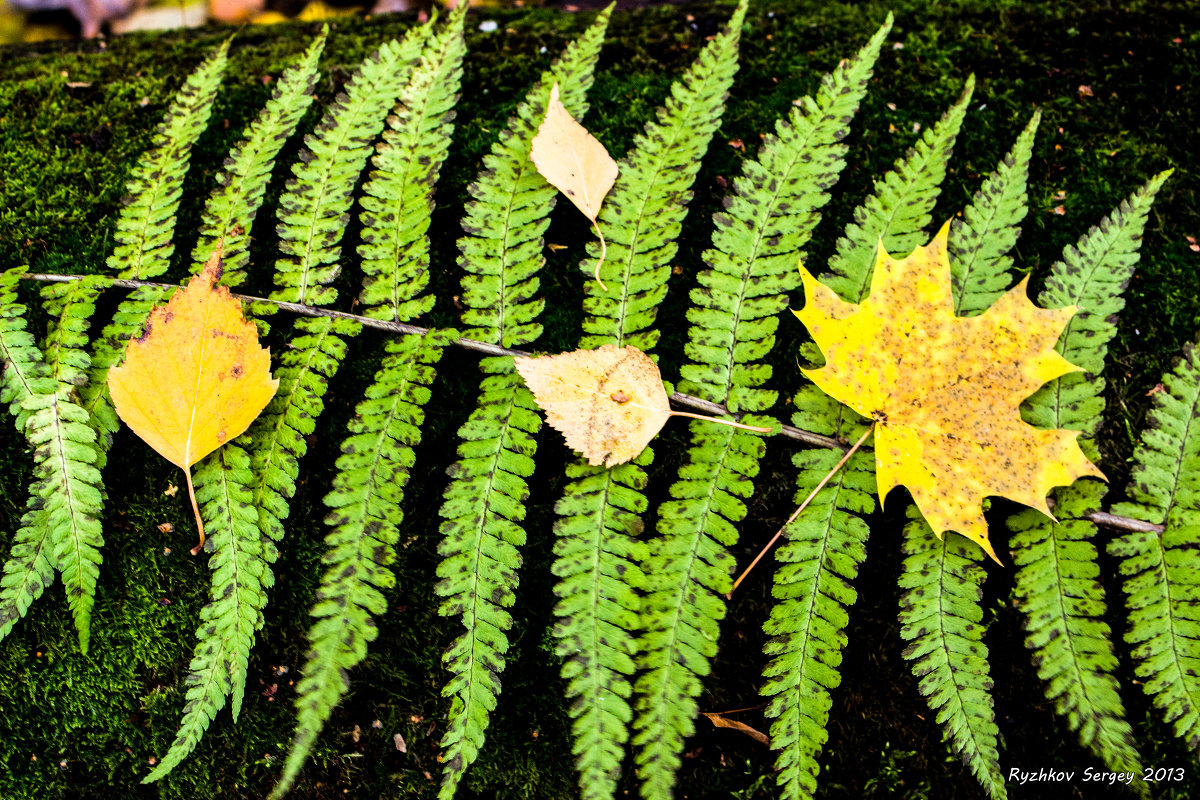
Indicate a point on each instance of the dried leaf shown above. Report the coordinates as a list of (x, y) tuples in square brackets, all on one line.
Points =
[(573, 162), (196, 377), (720, 721), (946, 391), (608, 403)]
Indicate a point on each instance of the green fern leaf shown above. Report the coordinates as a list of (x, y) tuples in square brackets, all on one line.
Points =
[(981, 239), (313, 212), (1058, 591), (813, 589), (484, 503), (757, 244), (483, 510), (899, 210), (940, 615), (1161, 579), (940, 608), (365, 514), (596, 548), (1056, 573), (68, 481), (510, 209), (231, 208), (29, 568), (644, 211), (146, 223), (25, 372), (398, 200), (240, 577), (1091, 275)]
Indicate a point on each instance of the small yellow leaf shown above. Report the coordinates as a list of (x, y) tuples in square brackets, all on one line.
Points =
[(571, 159), (945, 391), (608, 403), (721, 721), (196, 378)]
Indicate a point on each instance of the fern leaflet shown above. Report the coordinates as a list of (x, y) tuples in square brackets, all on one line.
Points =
[(899, 209), (1161, 580), (1057, 584), (398, 199), (596, 548), (231, 208), (484, 502), (981, 239), (365, 514), (313, 211), (813, 589), (238, 594), (771, 214), (940, 615), (940, 607), (68, 481), (29, 568)]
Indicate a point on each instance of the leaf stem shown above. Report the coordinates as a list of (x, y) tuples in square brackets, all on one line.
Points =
[(789, 431), (187, 471), (804, 505), (730, 423), (603, 255)]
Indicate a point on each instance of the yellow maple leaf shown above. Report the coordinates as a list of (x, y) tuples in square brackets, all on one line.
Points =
[(945, 391), (196, 377)]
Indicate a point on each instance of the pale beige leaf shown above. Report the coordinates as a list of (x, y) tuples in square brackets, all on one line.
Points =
[(608, 403), (571, 159)]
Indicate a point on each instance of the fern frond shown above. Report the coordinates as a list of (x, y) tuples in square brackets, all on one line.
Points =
[(940, 616), (25, 372), (644, 211), (759, 238), (398, 200), (1062, 600), (29, 568), (240, 578), (365, 515), (146, 223), (1057, 579), (484, 503), (313, 211), (68, 481), (483, 510), (757, 244), (982, 237), (1161, 577), (687, 574), (818, 563), (276, 439), (504, 222), (597, 558), (231, 208), (1091, 275), (596, 547), (900, 208)]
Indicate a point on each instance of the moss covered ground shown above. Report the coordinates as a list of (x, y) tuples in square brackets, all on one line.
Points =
[(75, 116)]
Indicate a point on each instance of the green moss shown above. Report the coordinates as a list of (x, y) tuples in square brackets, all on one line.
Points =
[(85, 726)]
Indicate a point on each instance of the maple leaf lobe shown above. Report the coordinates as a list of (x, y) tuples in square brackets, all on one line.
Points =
[(945, 391)]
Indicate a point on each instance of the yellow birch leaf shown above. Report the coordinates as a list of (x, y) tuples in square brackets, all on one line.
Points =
[(573, 162), (196, 377), (608, 402), (945, 391)]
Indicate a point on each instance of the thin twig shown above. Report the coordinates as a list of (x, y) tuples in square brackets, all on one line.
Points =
[(788, 431), (767, 547)]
